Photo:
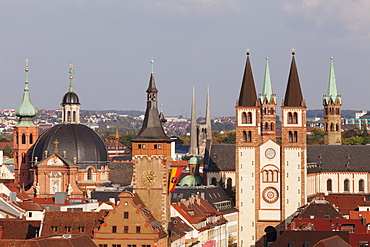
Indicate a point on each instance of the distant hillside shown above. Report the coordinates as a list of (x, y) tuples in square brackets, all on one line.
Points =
[(320, 113), (132, 113)]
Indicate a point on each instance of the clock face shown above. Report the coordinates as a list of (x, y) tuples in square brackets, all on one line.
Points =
[(148, 178), (270, 195), (270, 153)]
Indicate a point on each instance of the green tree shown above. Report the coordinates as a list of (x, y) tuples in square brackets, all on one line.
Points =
[(8, 151), (125, 139), (356, 140), (4, 139), (316, 137)]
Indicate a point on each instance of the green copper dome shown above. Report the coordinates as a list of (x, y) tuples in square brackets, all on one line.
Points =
[(191, 180), (194, 161), (26, 109)]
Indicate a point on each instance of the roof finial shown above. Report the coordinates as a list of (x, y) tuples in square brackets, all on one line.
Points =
[(293, 51), (26, 69), (248, 51), (152, 62), (71, 71)]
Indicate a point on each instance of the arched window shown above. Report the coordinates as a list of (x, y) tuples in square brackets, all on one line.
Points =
[(68, 116), (89, 174), (331, 127), (249, 118), (31, 138), (290, 136), (266, 126), (361, 185), (275, 176), (244, 136), (272, 126), (346, 185), (337, 127), (264, 176), (295, 138), (290, 118), (74, 116), (295, 118), (326, 127), (23, 139), (329, 185), (337, 111), (229, 183), (249, 136), (244, 118), (213, 181)]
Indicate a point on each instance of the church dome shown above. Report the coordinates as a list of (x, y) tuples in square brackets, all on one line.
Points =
[(191, 180), (70, 98), (70, 141)]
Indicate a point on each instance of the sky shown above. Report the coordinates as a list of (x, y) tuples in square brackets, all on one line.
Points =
[(200, 43)]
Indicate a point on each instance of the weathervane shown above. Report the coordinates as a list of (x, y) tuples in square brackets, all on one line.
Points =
[(26, 69)]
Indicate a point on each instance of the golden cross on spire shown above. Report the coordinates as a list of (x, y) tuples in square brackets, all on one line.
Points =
[(26, 64), (248, 51), (293, 51)]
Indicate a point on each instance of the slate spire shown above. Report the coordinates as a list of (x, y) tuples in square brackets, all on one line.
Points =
[(208, 116), (26, 110), (293, 93), (332, 92), (152, 130), (248, 95), (193, 127)]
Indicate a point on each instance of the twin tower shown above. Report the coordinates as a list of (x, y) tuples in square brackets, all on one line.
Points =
[(270, 174)]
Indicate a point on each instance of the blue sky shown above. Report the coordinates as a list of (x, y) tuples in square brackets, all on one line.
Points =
[(194, 42)]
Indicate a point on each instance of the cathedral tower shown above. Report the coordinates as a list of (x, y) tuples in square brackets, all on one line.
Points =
[(24, 136), (293, 147), (332, 103), (200, 133), (267, 173), (268, 108), (151, 150), (248, 140)]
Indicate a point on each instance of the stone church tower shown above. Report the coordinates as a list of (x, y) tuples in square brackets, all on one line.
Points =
[(24, 136), (332, 103), (151, 151), (267, 173), (200, 133)]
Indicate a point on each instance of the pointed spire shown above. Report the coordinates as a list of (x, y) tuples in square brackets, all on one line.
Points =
[(267, 85), (208, 116), (152, 129), (193, 127), (248, 95), (26, 110), (332, 92), (71, 71), (293, 93)]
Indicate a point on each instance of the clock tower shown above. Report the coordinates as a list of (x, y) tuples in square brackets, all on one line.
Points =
[(151, 151)]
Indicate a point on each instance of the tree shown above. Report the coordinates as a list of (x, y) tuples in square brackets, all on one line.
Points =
[(125, 139), (316, 137), (356, 140), (8, 151)]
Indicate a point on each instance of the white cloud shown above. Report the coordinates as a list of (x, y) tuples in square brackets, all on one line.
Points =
[(352, 16)]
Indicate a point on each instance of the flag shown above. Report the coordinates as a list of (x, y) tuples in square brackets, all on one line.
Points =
[(174, 178)]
